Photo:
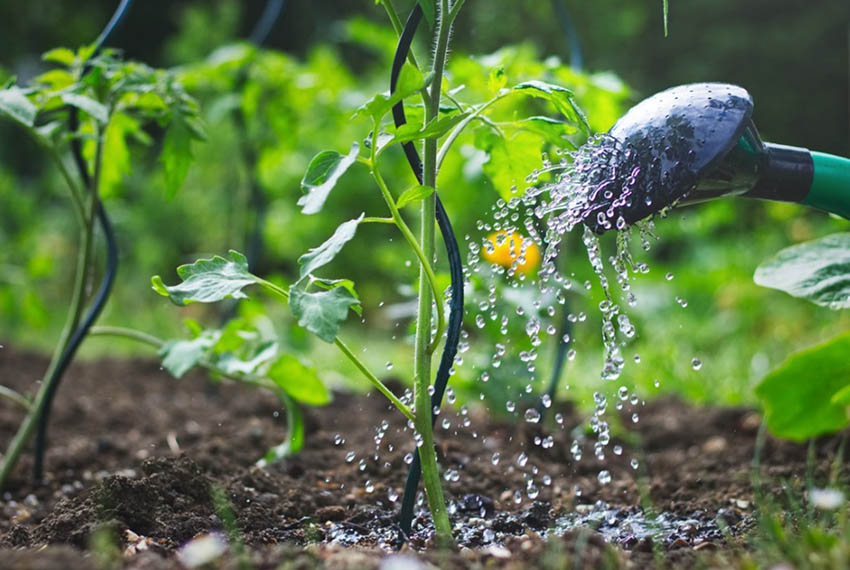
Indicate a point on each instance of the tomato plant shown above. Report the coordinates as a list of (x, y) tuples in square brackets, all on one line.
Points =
[(85, 112)]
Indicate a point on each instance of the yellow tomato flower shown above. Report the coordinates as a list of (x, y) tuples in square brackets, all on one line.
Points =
[(507, 248)]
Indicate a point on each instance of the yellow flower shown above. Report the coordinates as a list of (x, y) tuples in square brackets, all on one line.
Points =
[(507, 248)]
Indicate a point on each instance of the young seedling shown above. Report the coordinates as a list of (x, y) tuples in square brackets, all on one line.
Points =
[(85, 112)]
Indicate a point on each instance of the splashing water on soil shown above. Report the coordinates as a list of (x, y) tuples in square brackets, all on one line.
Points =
[(585, 188)]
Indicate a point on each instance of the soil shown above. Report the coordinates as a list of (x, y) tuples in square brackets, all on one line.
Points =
[(137, 456)]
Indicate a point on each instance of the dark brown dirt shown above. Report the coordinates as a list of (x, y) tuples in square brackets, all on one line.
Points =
[(135, 456)]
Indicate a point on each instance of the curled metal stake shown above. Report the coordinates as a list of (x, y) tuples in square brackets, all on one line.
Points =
[(455, 269), (40, 445)]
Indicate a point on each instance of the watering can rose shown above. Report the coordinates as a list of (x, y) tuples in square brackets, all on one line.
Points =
[(507, 249)]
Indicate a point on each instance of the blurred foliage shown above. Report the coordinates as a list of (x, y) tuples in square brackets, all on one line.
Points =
[(268, 112)]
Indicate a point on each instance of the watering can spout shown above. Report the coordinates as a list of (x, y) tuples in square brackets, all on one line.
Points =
[(698, 142)]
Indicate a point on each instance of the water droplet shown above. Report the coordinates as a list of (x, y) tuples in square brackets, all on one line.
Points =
[(634, 463), (350, 456), (668, 277), (696, 363), (389, 365), (338, 439), (604, 477), (369, 487), (532, 416), (408, 458), (522, 459), (510, 406)]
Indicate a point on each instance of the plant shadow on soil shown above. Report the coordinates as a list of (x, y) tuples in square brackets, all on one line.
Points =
[(137, 453)]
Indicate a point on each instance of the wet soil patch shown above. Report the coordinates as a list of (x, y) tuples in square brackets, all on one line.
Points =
[(136, 456)]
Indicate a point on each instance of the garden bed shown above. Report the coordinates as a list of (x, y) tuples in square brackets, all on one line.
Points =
[(138, 453)]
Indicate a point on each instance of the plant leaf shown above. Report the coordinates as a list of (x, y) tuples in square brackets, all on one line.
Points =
[(63, 56), (96, 110), (561, 98), (817, 270), (299, 381), (322, 255), (15, 105), (410, 80), (802, 398), (322, 175), (208, 280), (551, 130), (414, 194), (321, 312), (176, 154), (229, 363), (179, 356)]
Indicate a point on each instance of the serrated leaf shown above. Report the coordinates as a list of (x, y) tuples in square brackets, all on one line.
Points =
[(322, 255), (414, 194), (798, 396), (561, 98), (116, 162), (96, 110), (324, 171), (176, 154), (299, 381), (320, 312), (208, 280), (63, 56), (818, 271), (15, 105), (180, 356)]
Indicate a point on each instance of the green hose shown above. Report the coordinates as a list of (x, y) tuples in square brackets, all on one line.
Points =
[(830, 190)]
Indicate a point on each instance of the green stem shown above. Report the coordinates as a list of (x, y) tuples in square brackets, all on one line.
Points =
[(447, 144), (78, 299), (374, 380), (370, 376), (132, 334), (422, 355), (424, 261), (377, 220), (15, 397)]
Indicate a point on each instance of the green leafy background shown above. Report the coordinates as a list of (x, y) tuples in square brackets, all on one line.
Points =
[(269, 112)]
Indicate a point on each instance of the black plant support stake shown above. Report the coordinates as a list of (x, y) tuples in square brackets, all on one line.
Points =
[(262, 29), (455, 269), (110, 271), (576, 59)]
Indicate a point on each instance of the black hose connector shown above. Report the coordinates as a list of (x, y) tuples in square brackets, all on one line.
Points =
[(40, 445), (455, 320)]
